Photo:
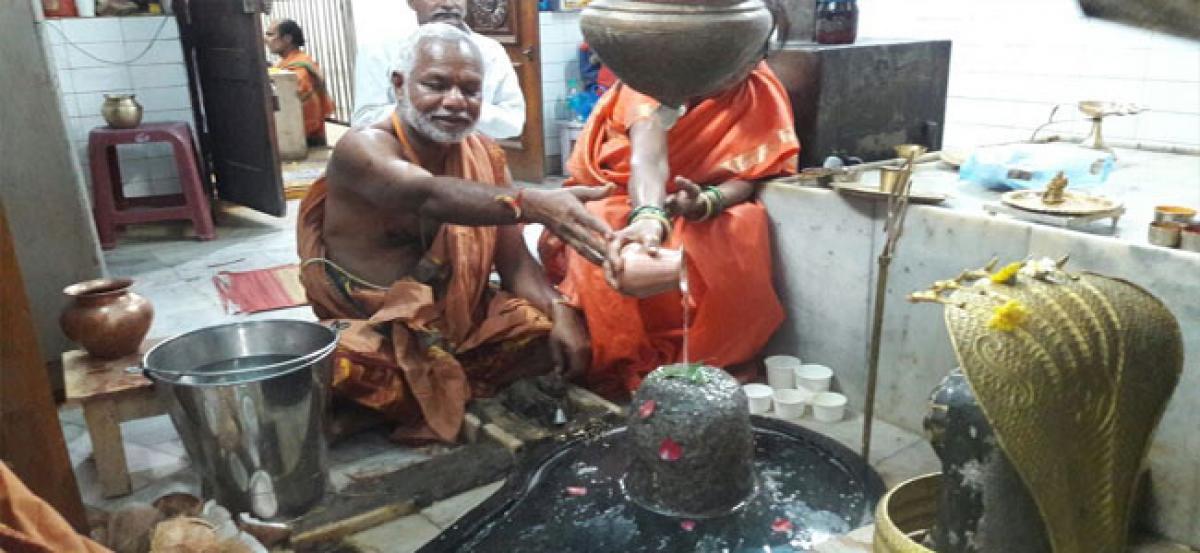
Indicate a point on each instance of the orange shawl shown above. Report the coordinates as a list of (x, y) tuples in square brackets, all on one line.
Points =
[(314, 96), (744, 133), (30, 525), (401, 344)]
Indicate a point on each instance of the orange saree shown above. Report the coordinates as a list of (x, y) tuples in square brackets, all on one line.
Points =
[(743, 133), (418, 350), (314, 97)]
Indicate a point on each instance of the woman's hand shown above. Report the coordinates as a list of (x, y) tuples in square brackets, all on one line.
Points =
[(648, 232), (570, 345), (686, 202)]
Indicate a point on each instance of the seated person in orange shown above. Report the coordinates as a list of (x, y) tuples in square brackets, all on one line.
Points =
[(689, 185), (400, 236), (285, 39)]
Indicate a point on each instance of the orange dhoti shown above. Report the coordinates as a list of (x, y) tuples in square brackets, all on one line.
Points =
[(745, 133), (315, 102), (420, 348)]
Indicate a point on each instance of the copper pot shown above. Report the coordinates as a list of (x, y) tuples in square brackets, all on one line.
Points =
[(676, 50), (106, 318), (121, 111)]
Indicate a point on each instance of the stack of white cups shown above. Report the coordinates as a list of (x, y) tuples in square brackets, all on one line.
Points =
[(793, 384)]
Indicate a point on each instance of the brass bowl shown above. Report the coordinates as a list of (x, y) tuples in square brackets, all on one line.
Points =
[(906, 514), (678, 50), (1174, 214)]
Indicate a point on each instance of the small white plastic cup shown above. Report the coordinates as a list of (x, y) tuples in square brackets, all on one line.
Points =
[(814, 378), (829, 406), (781, 371), (759, 396), (789, 404)]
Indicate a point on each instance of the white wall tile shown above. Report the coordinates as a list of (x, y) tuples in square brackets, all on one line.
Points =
[(158, 75), (86, 29), (53, 31), (162, 99), (142, 52), (66, 81), (70, 103), (99, 79), (1173, 96), (148, 28), (98, 54)]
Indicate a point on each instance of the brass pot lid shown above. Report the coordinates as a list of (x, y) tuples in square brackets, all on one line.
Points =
[(1073, 371)]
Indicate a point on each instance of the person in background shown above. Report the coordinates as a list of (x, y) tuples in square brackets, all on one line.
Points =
[(399, 237), (285, 39), (690, 184), (503, 111)]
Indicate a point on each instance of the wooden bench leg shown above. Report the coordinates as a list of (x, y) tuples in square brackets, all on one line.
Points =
[(108, 449)]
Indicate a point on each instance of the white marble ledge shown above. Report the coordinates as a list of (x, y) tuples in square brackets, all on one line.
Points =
[(1140, 180)]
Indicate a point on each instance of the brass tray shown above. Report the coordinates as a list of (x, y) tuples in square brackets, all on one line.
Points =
[(1074, 203), (868, 191)]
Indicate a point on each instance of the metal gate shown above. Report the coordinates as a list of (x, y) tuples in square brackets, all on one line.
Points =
[(329, 34)]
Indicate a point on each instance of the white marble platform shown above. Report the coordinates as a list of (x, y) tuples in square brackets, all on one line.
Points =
[(826, 247)]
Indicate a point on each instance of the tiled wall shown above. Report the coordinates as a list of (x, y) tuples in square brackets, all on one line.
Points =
[(1014, 59), (560, 37), (80, 50)]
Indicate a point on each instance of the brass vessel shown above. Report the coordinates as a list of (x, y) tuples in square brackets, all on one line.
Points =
[(676, 50), (121, 111)]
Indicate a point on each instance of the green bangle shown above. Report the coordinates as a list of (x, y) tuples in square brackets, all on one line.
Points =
[(717, 197), (644, 209)]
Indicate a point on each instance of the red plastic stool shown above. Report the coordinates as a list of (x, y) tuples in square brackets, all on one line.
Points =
[(110, 207)]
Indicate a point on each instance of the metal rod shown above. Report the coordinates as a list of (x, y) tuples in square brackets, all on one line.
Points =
[(885, 262), (897, 213)]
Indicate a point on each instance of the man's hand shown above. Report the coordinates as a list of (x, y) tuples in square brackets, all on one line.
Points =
[(570, 344), (686, 201), (563, 214)]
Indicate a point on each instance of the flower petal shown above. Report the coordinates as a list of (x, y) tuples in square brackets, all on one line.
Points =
[(576, 491), (647, 408), (782, 525), (668, 450), (687, 525)]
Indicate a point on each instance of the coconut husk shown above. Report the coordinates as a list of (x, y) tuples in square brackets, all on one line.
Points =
[(129, 528), (185, 535)]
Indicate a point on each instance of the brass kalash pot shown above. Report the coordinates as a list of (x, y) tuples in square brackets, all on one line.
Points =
[(675, 50)]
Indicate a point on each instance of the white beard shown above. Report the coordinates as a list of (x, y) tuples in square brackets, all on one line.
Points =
[(424, 124)]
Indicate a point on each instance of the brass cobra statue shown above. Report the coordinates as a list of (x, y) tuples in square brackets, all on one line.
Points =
[(1066, 377), (676, 50)]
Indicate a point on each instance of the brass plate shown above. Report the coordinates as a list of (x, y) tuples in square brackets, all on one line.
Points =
[(914, 196), (1074, 203)]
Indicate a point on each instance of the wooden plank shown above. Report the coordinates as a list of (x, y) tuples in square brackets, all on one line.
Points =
[(31, 439), (585, 400), (87, 377), (108, 448), (372, 500), (490, 410)]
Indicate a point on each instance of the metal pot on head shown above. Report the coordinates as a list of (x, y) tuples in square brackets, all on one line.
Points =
[(699, 47)]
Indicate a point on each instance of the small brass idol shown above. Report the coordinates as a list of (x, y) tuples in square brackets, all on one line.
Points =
[(1054, 194)]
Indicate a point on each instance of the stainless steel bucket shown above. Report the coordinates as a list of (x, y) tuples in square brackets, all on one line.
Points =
[(249, 401)]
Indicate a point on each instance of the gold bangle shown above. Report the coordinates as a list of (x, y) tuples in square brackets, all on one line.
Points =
[(513, 203)]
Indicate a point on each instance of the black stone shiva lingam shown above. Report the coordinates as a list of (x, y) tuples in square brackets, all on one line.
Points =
[(690, 471), (1043, 431)]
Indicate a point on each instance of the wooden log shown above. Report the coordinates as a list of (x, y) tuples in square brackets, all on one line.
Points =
[(374, 501), (585, 400)]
